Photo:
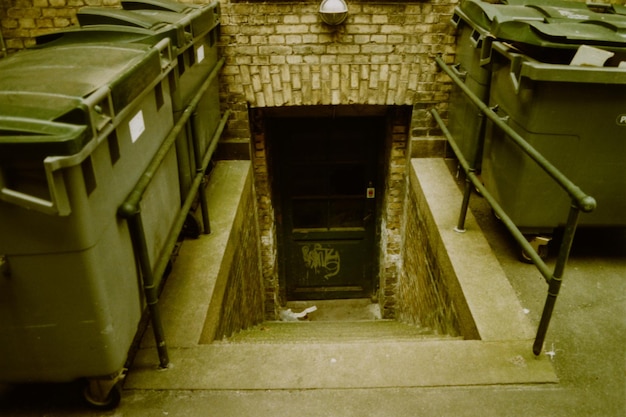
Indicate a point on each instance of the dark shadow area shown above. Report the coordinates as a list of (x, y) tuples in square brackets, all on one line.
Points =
[(45, 398)]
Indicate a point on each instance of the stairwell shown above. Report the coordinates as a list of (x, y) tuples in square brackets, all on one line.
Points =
[(333, 349)]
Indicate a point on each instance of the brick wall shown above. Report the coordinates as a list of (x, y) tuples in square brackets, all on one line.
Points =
[(242, 304), (393, 212), (267, 225), (280, 54), (423, 296), (22, 20)]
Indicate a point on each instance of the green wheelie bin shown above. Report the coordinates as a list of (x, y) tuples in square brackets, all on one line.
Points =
[(196, 54), (78, 126), (550, 31), (205, 21), (575, 116)]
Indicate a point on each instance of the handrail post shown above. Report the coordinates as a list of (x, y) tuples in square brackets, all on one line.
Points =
[(197, 154), (470, 170), (467, 192), (554, 285), (137, 235)]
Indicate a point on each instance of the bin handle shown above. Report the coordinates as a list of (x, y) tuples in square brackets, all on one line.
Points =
[(461, 74), (516, 72), (101, 108), (485, 52), (58, 203), (27, 200), (455, 20), (165, 50), (476, 38)]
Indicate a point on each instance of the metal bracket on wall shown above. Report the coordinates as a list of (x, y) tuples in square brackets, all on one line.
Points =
[(3, 47)]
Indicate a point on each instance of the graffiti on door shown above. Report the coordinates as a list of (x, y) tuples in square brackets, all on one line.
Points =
[(321, 259)]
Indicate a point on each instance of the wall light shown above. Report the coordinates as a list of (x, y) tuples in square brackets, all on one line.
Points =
[(333, 12)]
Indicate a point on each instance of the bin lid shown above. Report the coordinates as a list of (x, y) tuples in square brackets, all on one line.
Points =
[(487, 15), (193, 26), (204, 17), (53, 85), (79, 69), (580, 6), (561, 35), (574, 11), (561, 3), (546, 25), (179, 30), (483, 15), (523, 66), (170, 5), (20, 136), (102, 34), (617, 9)]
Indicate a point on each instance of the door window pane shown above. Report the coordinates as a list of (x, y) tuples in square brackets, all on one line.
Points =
[(309, 214), (346, 213), (347, 180), (307, 180), (345, 147)]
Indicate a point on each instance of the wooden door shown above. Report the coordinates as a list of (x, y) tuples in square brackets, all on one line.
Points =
[(327, 180)]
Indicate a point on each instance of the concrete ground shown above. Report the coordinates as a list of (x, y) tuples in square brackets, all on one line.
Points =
[(585, 345)]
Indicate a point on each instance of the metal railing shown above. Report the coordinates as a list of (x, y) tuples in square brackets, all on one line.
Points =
[(131, 211), (579, 200)]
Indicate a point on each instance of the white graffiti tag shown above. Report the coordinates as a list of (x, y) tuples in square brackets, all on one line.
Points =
[(318, 257)]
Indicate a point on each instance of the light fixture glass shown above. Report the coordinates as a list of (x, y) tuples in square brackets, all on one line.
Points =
[(333, 12)]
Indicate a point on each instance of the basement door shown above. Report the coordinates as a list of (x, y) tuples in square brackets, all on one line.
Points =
[(327, 177)]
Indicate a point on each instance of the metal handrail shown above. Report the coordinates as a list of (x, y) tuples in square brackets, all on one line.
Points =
[(579, 201), (130, 210)]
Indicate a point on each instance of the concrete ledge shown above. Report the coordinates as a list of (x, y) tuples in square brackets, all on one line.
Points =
[(199, 270), (467, 258), (428, 147)]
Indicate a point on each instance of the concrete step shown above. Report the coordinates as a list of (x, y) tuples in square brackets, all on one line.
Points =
[(378, 364), (283, 332)]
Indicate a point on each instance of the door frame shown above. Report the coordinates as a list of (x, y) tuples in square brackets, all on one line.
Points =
[(322, 112)]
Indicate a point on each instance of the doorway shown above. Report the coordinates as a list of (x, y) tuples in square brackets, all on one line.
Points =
[(327, 186)]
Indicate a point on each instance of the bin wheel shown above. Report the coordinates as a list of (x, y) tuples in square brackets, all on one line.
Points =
[(103, 402), (191, 227)]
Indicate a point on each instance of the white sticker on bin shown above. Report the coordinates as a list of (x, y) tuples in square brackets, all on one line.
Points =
[(137, 126), (200, 53)]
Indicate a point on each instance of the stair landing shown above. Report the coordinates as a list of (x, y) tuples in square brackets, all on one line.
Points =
[(364, 331)]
